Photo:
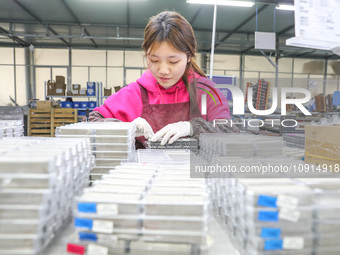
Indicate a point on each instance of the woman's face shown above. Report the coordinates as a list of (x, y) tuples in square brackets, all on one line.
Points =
[(167, 64)]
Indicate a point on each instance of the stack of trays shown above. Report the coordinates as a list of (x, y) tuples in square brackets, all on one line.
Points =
[(295, 140), (327, 214), (155, 156), (265, 216), (240, 145), (175, 208), (142, 208), (11, 128), (38, 179), (109, 215), (112, 142), (180, 144)]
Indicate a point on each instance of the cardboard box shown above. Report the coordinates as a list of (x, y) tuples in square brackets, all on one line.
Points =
[(60, 86), (51, 87), (59, 92), (117, 88), (322, 144), (76, 87), (107, 92), (75, 92), (51, 92), (82, 92), (44, 104), (60, 79)]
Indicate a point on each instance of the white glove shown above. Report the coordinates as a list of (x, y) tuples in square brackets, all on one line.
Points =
[(176, 130), (143, 128)]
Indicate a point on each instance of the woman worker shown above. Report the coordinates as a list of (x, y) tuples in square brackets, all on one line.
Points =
[(165, 102)]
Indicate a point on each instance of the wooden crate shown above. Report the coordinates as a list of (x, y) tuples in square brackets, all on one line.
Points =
[(62, 117), (39, 122), (42, 122)]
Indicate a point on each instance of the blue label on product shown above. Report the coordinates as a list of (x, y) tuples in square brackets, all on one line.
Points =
[(276, 244), (270, 232), (88, 236), (267, 201), (268, 216), (83, 223), (87, 207)]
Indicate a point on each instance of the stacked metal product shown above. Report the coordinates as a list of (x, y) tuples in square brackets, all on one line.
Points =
[(11, 128), (180, 144), (142, 208), (240, 145), (38, 179), (269, 216), (326, 214), (112, 142), (272, 217), (295, 140)]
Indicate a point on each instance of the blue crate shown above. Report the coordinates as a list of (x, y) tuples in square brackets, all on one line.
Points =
[(62, 104), (92, 104), (67, 104), (84, 104), (81, 113), (76, 104), (91, 88), (336, 98)]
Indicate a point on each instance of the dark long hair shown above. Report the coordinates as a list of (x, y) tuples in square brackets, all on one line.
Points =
[(173, 28)]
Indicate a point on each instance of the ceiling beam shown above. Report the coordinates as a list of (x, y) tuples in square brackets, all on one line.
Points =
[(77, 20), (40, 22), (14, 38), (306, 53), (128, 20), (196, 15), (242, 24), (248, 49), (285, 30)]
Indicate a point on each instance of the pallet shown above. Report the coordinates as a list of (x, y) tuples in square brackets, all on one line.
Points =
[(42, 122), (63, 116)]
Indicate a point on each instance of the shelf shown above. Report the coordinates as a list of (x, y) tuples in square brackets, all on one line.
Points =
[(71, 96), (83, 109)]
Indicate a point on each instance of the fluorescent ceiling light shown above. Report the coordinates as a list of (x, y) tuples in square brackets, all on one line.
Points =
[(238, 3), (286, 7)]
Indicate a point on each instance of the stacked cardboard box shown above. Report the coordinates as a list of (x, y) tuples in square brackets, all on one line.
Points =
[(56, 88), (76, 89), (107, 92)]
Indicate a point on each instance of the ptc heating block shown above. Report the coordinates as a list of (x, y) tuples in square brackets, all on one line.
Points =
[(11, 128), (112, 142), (38, 179), (143, 208)]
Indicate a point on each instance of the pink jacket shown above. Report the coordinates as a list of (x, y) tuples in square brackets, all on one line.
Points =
[(126, 105)]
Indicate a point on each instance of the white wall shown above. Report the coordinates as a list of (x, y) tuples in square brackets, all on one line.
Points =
[(108, 67), (7, 76)]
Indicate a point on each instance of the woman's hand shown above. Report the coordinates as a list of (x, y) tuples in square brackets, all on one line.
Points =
[(143, 128), (174, 130)]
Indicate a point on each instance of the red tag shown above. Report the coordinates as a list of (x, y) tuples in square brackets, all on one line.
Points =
[(74, 248)]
